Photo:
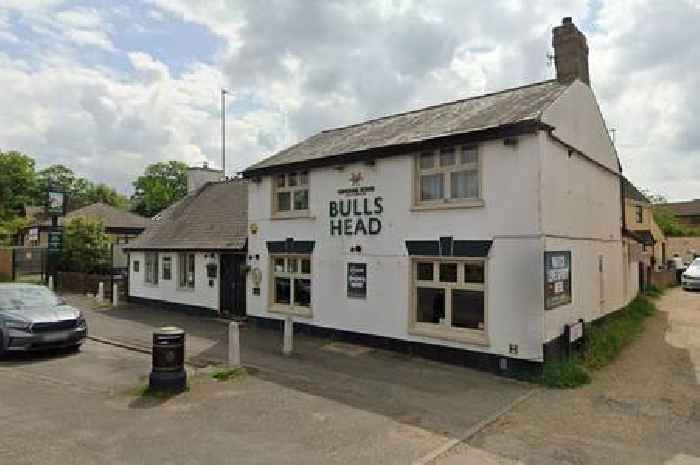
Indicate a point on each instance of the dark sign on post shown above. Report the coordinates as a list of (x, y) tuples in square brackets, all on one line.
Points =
[(557, 279), (55, 240), (357, 280), (57, 203)]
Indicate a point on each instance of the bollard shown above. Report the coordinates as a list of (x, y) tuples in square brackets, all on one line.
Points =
[(168, 373), (51, 283), (234, 345), (288, 345), (100, 292), (115, 295)]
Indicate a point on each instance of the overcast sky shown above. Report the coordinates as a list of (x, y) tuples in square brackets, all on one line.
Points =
[(108, 89)]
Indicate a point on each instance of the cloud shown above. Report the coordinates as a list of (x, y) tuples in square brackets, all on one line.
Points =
[(294, 68)]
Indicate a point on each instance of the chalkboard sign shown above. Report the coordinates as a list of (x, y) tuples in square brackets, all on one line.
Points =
[(557, 279), (357, 280)]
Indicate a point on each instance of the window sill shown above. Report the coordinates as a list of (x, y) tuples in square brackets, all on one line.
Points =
[(284, 310), (466, 336), (448, 205), (185, 289), (292, 216), (150, 285)]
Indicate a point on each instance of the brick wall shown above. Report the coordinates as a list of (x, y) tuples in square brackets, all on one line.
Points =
[(683, 246)]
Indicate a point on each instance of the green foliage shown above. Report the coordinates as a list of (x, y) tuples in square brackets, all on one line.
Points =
[(669, 224), (86, 246), (230, 373), (18, 183), (603, 341), (80, 191), (161, 185), (10, 227)]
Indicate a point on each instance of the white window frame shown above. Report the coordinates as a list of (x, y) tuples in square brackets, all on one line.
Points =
[(169, 260), (151, 268), (291, 308), (446, 172), (446, 330), (292, 190), (183, 260)]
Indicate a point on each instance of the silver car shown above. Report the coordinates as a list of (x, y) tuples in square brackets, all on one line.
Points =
[(34, 318), (690, 279)]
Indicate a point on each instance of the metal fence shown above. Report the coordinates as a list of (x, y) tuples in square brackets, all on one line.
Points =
[(25, 264)]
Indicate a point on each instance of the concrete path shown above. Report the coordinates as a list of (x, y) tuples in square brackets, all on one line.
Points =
[(331, 402), (643, 409)]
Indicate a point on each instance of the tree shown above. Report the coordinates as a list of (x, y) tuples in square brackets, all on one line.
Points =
[(18, 183), (86, 246), (80, 191), (161, 185), (9, 229), (666, 219)]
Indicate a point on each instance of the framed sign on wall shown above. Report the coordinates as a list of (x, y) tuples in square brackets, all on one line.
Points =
[(357, 280), (557, 279)]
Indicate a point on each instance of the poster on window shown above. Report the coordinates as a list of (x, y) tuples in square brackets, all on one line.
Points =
[(357, 280), (557, 282)]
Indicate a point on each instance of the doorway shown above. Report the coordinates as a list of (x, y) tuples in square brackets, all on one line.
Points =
[(232, 285)]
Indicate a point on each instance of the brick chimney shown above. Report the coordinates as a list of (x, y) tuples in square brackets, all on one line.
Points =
[(570, 52), (199, 176)]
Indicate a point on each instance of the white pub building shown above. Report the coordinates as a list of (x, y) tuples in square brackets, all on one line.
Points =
[(474, 230)]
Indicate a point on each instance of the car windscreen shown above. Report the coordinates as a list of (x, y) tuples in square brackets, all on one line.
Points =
[(25, 297)]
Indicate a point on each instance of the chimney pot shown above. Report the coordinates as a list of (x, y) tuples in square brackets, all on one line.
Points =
[(567, 20)]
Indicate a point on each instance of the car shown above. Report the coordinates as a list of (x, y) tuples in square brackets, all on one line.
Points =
[(690, 279), (32, 317)]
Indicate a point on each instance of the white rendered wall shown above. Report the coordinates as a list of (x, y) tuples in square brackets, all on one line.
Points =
[(510, 218), (202, 295), (581, 209)]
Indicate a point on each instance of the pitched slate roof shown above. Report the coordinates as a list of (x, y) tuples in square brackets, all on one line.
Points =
[(629, 191), (689, 208), (508, 107), (110, 216), (213, 217)]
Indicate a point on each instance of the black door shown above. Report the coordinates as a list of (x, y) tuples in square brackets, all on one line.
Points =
[(232, 288)]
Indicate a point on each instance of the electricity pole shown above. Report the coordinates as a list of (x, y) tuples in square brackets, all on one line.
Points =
[(223, 131)]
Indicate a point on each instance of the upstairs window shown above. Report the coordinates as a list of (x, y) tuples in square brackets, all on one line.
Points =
[(448, 175), (291, 193), (639, 214)]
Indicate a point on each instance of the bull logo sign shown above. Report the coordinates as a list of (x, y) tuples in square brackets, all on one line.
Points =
[(355, 178)]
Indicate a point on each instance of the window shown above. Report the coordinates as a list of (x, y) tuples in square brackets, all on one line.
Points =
[(185, 268), (448, 175), (449, 297), (639, 213), (291, 193), (291, 283), (151, 260), (167, 268), (136, 266)]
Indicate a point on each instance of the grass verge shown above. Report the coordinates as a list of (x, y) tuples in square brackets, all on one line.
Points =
[(603, 341), (226, 374)]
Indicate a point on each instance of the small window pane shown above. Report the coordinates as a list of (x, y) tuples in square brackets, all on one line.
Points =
[(279, 265), (467, 309), (282, 290), (301, 200), (430, 305), (167, 268), (464, 185), (283, 201), (292, 179), (424, 271), (292, 265), (427, 160), (302, 292), (448, 272), (136, 266), (447, 157), (306, 266), (432, 187), (303, 179), (280, 180), (473, 272), (469, 155)]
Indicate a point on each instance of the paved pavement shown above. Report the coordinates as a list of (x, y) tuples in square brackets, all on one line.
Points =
[(329, 403), (642, 409)]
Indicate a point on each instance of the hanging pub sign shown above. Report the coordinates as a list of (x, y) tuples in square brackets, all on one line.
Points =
[(57, 203), (557, 279), (357, 280), (356, 211)]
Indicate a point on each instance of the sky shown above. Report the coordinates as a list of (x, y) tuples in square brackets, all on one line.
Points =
[(107, 88)]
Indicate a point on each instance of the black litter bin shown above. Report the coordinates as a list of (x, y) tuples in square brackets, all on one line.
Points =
[(168, 372)]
